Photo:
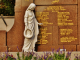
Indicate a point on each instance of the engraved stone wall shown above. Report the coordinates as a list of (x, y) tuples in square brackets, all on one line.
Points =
[(61, 16)]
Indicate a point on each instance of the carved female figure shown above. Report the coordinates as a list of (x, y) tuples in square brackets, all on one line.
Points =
[(31, 29)]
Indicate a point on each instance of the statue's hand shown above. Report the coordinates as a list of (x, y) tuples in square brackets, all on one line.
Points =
[(40, 23)]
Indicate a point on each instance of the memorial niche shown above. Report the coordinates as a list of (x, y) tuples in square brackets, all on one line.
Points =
[(7, 7)]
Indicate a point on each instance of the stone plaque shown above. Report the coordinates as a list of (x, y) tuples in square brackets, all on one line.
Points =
[(58, 15), (68, 35)]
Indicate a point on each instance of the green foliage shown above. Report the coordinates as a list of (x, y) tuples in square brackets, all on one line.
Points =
[(10, 58), (18, 56), (59, 56), (66, 58), (7, 7), (23, 56), (35, 58), (28, 57)]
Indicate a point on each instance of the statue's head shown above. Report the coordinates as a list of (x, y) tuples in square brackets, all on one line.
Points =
[(31, 6)]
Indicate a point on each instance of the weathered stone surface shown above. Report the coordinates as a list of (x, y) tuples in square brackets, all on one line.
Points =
[(2, 38), (55, 35), (79, 20), (49, 48), (3, 48), (18, 5), (15, 35), (78, 47), (26, 2), (51, 2), (15, 48), (68, 35)]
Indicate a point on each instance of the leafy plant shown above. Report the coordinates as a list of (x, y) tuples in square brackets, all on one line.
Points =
[(7, 7), (18, 56)]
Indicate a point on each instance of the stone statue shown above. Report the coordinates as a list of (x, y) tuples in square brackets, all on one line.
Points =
[(31, 29)]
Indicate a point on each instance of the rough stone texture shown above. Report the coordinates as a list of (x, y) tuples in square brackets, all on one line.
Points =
[(72, 34), (55, 35), (78, 47), (49, 48), (15, 35), (15, 48), (2, 38), (18, 5), (49, 37), (26, 2), (51, 2), (3, 48), (79, 21)]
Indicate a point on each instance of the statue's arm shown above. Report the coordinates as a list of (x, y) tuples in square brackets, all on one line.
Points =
[(26, 17), (39, 23)]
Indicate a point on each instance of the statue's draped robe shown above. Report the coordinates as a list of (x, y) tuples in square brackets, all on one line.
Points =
[(29, 43)]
